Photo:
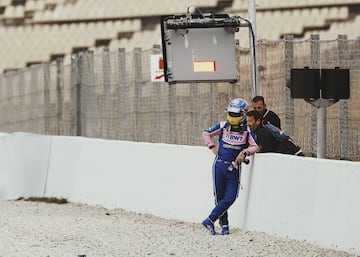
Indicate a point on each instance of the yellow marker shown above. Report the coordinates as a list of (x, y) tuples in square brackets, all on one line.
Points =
[(204, 66)]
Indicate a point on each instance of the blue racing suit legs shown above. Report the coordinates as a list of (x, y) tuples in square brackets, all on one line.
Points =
[(232, 142), (226, 186)]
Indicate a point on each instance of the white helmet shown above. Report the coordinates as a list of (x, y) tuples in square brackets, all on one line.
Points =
[(236, 112), (237, 105)]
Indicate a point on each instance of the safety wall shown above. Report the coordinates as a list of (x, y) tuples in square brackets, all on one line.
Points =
[(24, 160), (301, 198), (306, 198)]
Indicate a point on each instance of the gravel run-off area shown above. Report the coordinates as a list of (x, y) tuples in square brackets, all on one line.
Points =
[(36, 229)]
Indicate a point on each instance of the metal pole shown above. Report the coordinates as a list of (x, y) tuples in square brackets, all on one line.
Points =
[(253, 44), (139, 83), (315, 64), (344, 104), (106, 110), (59, 95), (75, 84), (321, 105), (321, 132)]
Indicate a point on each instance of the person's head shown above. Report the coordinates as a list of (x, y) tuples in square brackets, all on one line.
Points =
[(237, 111), (258, 103), (253, 119)]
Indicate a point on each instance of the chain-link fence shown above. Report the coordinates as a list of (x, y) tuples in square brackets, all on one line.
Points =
[(110, 95)]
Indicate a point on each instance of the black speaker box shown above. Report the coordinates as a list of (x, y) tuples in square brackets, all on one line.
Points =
[(305, 83), (335, 83)]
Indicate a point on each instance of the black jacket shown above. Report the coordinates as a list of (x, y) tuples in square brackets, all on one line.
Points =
[(272, 117), (266, 140)]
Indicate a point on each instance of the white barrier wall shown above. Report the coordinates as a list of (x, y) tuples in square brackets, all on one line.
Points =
[(165, 180), (24, 160), (302, 198), (306, 198)]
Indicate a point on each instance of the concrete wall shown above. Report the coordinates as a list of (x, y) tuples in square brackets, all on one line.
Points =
[(24, 160), (302, 198), (307, 198), (166, 180)]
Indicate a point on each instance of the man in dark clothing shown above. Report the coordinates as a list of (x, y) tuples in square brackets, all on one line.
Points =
[(269, 138), (265, 140), (258, 103)]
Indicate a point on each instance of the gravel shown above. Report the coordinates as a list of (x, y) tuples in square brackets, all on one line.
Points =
[(31, 229)]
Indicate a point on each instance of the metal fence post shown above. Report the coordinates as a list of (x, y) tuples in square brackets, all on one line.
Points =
[(155, 103), (75, 97), (121, 106), (194, 112), (138, 92), (106, 95), (89, 101), (343, 103), (59, 95), (9, 84), (21, 102), (214, 106), (289, 63), (34, 100), (315, 63), (46, 106), (172, 135)]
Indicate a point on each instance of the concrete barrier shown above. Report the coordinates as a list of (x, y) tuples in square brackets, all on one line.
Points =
[(306, 198), (302, 198), (24, 160), (166, 180)]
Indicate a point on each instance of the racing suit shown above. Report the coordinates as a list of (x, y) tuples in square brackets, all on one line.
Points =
[(232, 141)]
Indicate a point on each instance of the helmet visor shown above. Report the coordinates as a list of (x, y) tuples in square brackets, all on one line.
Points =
[(235, 120), (236, 114), (233, 109)]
